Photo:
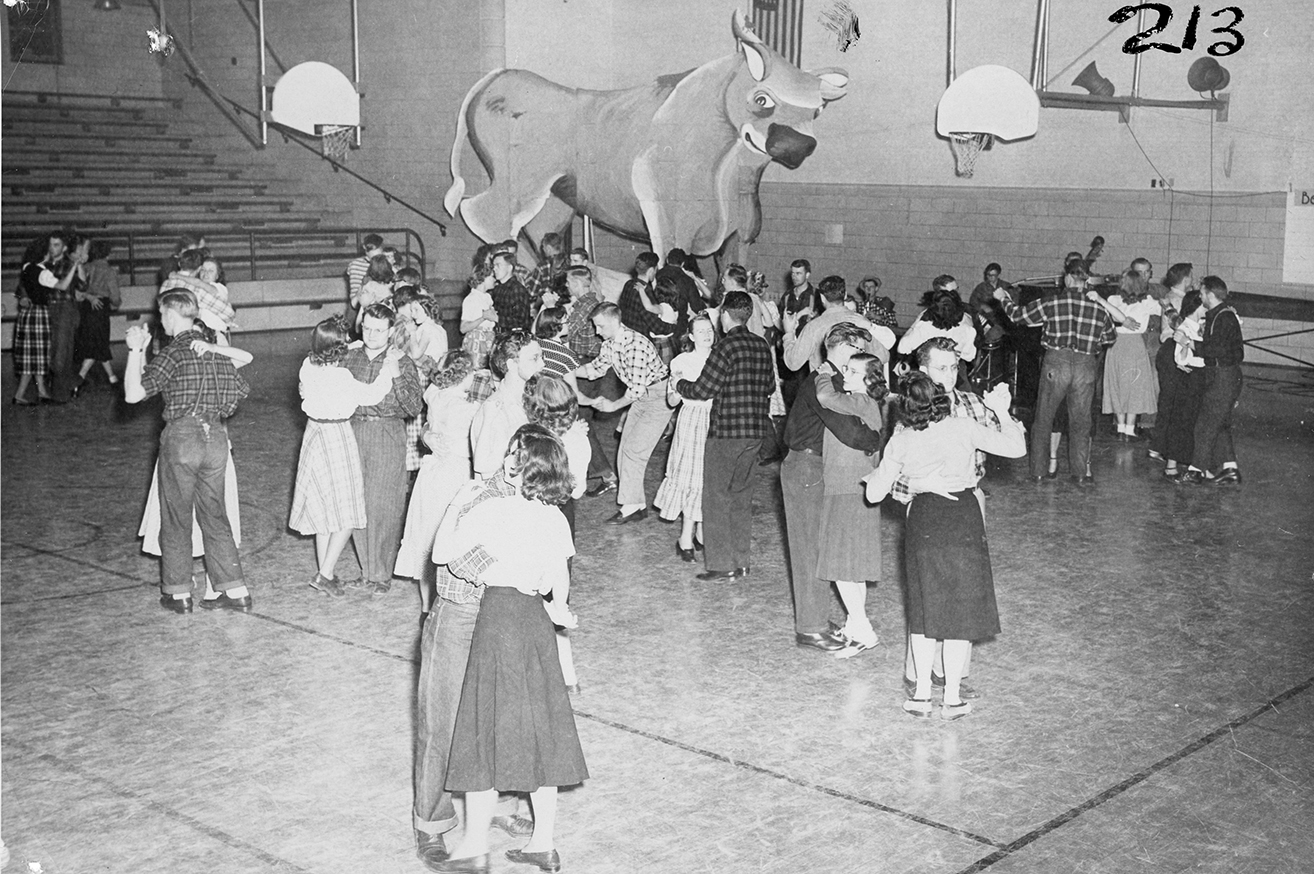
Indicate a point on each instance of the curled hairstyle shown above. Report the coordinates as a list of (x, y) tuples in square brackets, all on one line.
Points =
[(550, 402), (539, 459), (688, 344), (944, 308), (1177, 273), (550, 320), (452, 368), (924, 401), (505, 350), (1191, 302), (328, 341), (1133, 287), (874, 376)]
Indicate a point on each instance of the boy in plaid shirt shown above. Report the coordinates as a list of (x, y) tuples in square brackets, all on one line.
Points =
[(201, 388)]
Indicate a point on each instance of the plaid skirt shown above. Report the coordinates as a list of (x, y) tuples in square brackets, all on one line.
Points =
[(32, 341), (682, 489), (149, 530), (330, 490)]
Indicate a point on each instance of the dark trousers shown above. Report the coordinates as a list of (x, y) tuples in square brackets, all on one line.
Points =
[(1172, 383), (802, 487), (1064, 375), (64, 319), (1213, 427), (729, 476), (606, 386), (193, 459), (382, 445), (444, 651)]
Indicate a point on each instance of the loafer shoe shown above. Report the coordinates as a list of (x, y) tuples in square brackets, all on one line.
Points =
[(709, 576), (223, 602), (964, 689), (548, 861), (515, 825), (822, 640), (430, 848), (176, 605), (621, 519), (685, 554), (1229, 475), (607, 485), (469, 865), (332, 587)]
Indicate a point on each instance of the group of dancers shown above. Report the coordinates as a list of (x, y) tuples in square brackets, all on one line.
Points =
[(488, 529)]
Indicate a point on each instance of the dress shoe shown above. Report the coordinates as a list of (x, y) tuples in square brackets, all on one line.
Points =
[(621, 519), (430, 848), (698, 544), (1083, 481), (1036, 479), (515, 825), (332, 587), (711, 576), (685, 554), (606, 485), (468, 865), (22, 402), (77, 389), (1155, 454), (223, 602), (1189, 478), (964, 690), (177, 605), (1053, 474), (547, 861), (1229, 475), (822, 640)]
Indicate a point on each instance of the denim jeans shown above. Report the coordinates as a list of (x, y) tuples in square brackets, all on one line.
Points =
[(648, 418), (444, 651), (1064, 374), (193, 459)]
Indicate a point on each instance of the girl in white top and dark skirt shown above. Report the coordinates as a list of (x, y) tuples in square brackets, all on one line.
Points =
[(949, 588)]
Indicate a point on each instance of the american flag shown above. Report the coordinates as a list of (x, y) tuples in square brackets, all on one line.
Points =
[(780, 24)]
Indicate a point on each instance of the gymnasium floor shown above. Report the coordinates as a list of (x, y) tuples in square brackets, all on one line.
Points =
[(1148, 707)]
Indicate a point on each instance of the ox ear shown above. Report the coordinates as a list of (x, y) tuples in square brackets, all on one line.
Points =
[(758, 61), (834, 82)]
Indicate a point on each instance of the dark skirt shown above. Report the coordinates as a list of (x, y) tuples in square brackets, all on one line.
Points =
[(515, 730), (92, 340), (949, 589), (850, 539)]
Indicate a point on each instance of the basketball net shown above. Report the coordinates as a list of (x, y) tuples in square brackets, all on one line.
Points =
[(966, 146), (335, 141)]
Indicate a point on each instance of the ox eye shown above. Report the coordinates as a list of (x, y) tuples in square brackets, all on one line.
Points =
[(763, 101)]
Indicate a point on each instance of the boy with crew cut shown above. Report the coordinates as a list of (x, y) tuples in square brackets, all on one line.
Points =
[(201, 388)]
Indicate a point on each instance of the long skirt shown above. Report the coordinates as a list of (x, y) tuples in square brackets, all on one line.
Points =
[(515, 730), (849, 539), (32, 341), (949, 588), (330, 490), (1131, 386), (682, 489), (439, 479), (92, 340), (149, 529)]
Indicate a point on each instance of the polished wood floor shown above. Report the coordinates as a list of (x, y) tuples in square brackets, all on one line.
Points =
[(1147, 708)]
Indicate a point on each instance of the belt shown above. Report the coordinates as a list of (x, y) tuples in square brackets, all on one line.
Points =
[(1068, 349), (806, 451)]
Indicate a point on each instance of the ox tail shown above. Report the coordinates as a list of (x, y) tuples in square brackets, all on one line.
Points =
[(452, 199)]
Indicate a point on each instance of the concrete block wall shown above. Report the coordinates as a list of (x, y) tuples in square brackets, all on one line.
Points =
[(93, 41)]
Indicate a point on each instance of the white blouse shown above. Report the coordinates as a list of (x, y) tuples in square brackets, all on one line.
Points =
[(331, 392), (922, 330)]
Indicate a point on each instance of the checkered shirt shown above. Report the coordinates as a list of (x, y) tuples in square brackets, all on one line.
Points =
[(1070, 320), (193, 384), (739, 380), (406, 399), (966, 405), (540, 279), (206, 296), (636, 317), (512, 302), (636, 361), (580, 336), (458, 580)]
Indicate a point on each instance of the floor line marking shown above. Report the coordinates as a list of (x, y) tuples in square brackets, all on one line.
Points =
[(1135, 779), (223, 837)]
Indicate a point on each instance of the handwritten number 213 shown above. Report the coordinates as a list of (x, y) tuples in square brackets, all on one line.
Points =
[(1135, 46)]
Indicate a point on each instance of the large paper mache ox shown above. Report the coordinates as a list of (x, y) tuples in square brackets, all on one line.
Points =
[(676, 162)]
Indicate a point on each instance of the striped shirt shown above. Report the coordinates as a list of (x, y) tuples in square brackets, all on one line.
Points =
[(356, 272), (635, 359)]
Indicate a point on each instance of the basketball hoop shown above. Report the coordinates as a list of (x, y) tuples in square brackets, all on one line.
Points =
[(335, 140), (966, 146)]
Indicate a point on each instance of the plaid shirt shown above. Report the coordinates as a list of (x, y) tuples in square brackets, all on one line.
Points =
[(512, 302), (406, 398), (1071, 321), (636, 317), (739, 379), (580, 336), (458, 580), (966, 405), (193, 384), (636, 361), (207, 296), (540, 279)]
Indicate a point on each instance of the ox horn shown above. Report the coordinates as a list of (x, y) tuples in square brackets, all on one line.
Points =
[(743, 31)]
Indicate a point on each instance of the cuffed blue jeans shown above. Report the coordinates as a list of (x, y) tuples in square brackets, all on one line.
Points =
[(1064, 374), (193, 459)]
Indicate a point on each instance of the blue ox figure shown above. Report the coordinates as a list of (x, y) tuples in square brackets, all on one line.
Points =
[(677, 162)]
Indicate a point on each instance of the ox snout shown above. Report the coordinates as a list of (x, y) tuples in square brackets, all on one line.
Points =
[(788, 146)]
